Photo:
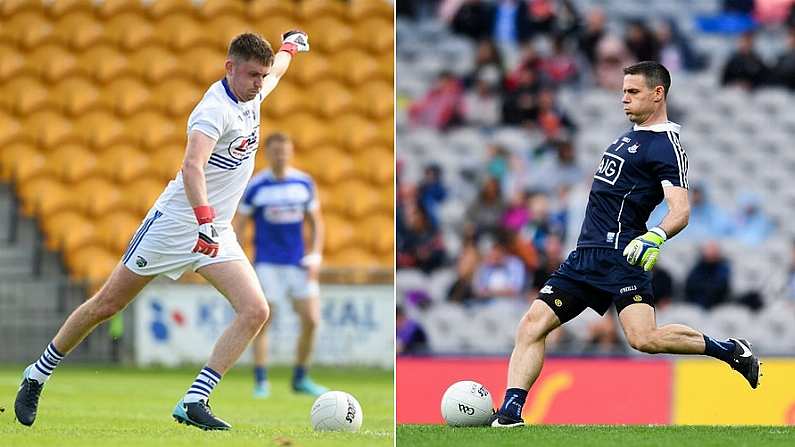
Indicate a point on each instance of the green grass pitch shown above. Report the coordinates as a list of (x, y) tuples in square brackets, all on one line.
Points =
[(597, 436), (115, 406)]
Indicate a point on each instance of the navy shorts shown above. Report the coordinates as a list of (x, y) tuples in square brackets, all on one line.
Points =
[(596, 278)]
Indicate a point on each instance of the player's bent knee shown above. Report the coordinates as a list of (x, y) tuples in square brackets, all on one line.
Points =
[(531, 329), (257, 312)]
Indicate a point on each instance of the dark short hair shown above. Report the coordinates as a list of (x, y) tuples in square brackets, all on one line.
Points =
[(654, 72), (249, 46), (276, 138)]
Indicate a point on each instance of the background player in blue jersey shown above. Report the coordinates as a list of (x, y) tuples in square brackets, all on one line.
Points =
[(615, 251), (279, 200)]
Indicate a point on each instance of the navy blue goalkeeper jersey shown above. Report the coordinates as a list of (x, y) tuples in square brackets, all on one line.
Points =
[(629, 182)]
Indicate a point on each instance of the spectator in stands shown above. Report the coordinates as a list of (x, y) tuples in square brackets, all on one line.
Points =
[(707, 220), (560, 67), (411, 338), (552, 120), (641, 42), (485, 212), (471, 18), (421, 246), (521, 87), (440, 106), (482, 105), (751, 225), (592, 34), (612, 56), (662, 283), (553, 166), (431, 192), (708, 283), (500, 274), (542, 16), (487, 59), (511, 22), (676, 52), (461, 291), (543, 221), (784, 70), (745, 67), (567, 20), (551, 259)]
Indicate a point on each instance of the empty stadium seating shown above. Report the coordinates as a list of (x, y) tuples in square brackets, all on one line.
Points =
[(94, 98)]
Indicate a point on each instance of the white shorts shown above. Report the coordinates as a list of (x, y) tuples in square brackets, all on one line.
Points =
[(282, 282), (163, 246)]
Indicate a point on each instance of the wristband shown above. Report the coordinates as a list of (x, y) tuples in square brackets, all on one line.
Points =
[(659, 232), (204, 214), (289, 47), (312, 259)]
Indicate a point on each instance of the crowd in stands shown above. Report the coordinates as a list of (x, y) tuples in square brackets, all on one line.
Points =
[(516, 231)]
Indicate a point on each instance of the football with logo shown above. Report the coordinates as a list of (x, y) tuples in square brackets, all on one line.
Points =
[(467, 404), (336, 411)]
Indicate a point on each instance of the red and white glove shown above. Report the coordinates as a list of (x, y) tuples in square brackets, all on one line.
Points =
[(207, 243), (294, 41)]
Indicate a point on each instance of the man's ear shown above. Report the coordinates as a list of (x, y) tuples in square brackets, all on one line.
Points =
[(228, 66)]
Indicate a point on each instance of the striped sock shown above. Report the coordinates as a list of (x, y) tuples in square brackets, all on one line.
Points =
[(203, 385), (46, 364)]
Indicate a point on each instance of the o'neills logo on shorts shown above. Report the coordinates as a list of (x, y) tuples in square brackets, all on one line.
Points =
[(628, 289)]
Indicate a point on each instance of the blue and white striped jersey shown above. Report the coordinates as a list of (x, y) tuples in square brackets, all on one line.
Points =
[(629, 182), (279, 207)]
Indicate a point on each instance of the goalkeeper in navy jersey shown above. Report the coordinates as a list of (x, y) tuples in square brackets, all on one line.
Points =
[(616, 252)]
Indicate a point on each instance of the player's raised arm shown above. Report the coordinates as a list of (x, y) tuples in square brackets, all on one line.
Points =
[(678, 210), (198, 151), (293, 41)]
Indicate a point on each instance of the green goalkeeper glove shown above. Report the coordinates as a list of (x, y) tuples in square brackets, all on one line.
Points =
[(643, 250)]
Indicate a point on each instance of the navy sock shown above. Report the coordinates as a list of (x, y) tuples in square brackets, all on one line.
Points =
[(514, 401), (299, 373), (719, 349), (260, 374)]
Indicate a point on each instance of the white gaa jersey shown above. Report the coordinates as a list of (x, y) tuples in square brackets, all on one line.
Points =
[(235, 127)]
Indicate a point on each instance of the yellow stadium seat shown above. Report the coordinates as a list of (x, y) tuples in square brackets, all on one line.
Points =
[(103, 63), (379, 234), (309, 9), (206, 65), (176, 97), (376, 100), (386, 132), (57, 224), (93, 264), (287, 98), (75, 95), (227, 27), (122, 163), (163, 8), (354, 66), (354, 133), (125, 96), (309, 70), (386, 66), (305, 129), (114, 230), (155, 64), (152, 130), (10, 129), (386, 199), (97, 196), (339, 233), (355, 198), (330, 99), (23, 95), (108, 9), (99, 130), (10, 8), (353, 257), (78, 30), (59, 8), (47, 129), (28, 30), (70, 163), (33, 190), (271, 26), (214, 8), (375, 34), (51, 62), (166, 162), (330, 35), (362, 9), (139, 195), (11, 60), (10, 159), (376, 165), (326, 164), (181, 31), (74, 238), (259, 9), (130, 31)]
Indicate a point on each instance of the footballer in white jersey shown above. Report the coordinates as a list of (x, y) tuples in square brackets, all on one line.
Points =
[(189, 227)]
